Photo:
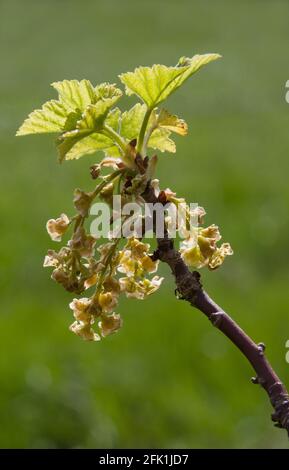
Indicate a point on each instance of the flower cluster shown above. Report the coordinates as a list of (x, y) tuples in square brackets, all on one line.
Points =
[(77, 268), (74, 264), (136, 264), (87, 311), (110, 269), (200, 248), (199, 245)]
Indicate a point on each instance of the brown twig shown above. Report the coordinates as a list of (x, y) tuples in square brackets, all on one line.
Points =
[(189, 288)]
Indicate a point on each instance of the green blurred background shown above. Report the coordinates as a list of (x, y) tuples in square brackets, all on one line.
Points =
[(168, 379)]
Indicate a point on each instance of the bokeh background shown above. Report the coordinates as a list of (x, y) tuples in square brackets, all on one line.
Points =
[(168, 379)]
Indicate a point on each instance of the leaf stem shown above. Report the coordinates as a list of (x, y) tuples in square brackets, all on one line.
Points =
[(143, 130), (104, 270), (109, 132), (107, 180), (148, 136)]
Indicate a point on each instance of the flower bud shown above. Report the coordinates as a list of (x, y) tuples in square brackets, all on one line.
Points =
[(95, 171)]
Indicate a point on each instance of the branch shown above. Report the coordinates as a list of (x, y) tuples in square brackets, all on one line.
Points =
[(189, 288)]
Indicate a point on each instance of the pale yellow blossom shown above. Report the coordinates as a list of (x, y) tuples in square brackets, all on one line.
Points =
[(110, 324), (202, 250), (107, 301), (137, 248), (139, 289), (85, 331), (192, 255), (90, 281), (218, 257), (128, 264), (51, 259), (80, 309), (149, 265), (57, 227)]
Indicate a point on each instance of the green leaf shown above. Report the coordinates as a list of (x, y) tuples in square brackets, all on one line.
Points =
[(95, 141), (107, 90), (162, 125), (155, 84), (113, 152), (160, 140), (92, 121), (74, 94), (130, 124), (131, 121), (50, 118), (85, 146), (74, 98), (71, 120), (172, 123)]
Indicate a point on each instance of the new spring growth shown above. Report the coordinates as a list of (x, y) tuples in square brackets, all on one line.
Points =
[(87, 121)]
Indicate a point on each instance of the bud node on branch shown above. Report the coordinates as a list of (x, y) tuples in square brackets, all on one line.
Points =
[(216, 318)]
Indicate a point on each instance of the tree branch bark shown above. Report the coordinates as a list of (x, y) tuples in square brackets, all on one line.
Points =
[(189, 288)]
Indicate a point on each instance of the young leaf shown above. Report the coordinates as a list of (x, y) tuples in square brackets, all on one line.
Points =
[(87, 145), (160, 140), (131, 121), (155, 84), (95, 141), (172, 123), (107, 90), (92, 121), (74, 94), (160, 128), (93, 117), (50, 118), (56, 116), (162, 125), (62, 115)]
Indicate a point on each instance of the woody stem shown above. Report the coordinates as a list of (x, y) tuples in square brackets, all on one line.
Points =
[(189, 288)]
